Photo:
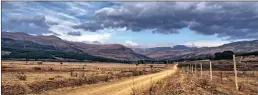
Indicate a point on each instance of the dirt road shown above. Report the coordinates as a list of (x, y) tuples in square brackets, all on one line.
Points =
[(120, 87)]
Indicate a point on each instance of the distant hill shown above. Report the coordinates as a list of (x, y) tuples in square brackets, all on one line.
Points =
[(22, 45), (159, 49), (18, 43), (184, 52)]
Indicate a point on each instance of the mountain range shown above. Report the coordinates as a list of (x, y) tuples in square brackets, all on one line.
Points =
[(183, 52), (18, 45), (157, 49), (19, 40)]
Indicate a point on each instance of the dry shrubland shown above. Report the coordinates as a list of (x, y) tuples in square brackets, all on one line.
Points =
[(20, 77), (186, 82)]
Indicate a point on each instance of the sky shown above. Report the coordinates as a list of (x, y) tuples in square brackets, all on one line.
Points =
[(136, 24)]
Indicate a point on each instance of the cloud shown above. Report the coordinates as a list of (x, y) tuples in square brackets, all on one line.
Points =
[(52, 23), (235, 20), (100, 37), (52, 18), (29, 24), (9, 6), (232, 20), (74, 33), (90, 26), (130, 44)]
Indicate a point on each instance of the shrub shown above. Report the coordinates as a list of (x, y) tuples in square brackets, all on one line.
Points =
[(21, 76), (51, 69), (40, 63), (15, 89), (51, 78), (37, 68)]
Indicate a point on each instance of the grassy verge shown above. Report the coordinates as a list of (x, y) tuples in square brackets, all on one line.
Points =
[(187, 83)]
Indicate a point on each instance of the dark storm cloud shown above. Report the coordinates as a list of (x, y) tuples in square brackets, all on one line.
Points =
[(90, 26), (74, 33), (29, 24), (226, 19), (52, 23)]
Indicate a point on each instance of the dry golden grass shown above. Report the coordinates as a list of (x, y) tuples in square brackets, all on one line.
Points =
[(41, 76), (185, 82)]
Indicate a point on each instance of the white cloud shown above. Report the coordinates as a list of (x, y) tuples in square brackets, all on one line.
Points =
[(131, 44), (79, 8), (87, 37), (65, 19)]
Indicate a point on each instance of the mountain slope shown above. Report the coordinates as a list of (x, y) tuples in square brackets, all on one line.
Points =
[(24, 41), (238, 47), (160, 49), (29, 50)]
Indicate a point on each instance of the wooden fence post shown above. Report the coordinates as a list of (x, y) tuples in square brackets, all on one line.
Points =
[(201, 69), (189, 68), (221, 77), (195, 68), (210, 71), (240, 60), (235, 70), (192, 68)]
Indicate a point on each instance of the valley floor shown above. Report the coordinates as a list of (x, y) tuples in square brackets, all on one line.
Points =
[(121, 87), (127, 79), (37, 77)]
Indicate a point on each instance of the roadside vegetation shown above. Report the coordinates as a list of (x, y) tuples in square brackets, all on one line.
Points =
[(191, 80)]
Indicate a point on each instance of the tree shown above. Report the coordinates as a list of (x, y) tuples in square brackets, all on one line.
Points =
[(218, 55), (223, 55), (151, 66), (165, 62), (227, 54)]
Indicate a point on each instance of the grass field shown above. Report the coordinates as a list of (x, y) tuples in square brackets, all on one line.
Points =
[(30, 77), (190, 82), (36, 77)]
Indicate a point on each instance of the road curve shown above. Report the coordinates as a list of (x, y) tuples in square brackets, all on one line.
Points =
[(120, 87)]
